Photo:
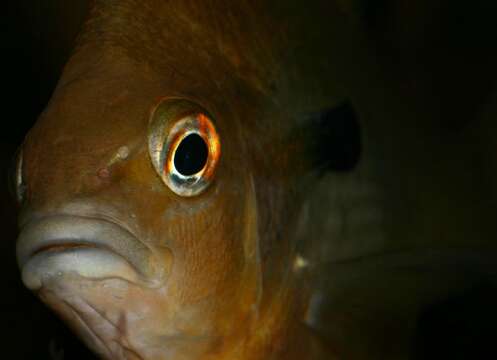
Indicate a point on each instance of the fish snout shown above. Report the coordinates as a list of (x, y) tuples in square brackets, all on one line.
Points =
[(91, 248)]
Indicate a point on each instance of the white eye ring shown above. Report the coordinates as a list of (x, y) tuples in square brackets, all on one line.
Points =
[(172, 121)]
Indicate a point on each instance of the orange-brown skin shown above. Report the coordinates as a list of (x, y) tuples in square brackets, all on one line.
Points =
[(226, 288)]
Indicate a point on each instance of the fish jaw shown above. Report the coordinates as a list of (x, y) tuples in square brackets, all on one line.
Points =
[(90, 270), (105, 284), (118, 319)]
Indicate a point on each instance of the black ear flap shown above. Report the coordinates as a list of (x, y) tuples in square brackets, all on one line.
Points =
[(334, 141)]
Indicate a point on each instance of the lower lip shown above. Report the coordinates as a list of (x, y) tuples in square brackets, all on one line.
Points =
[(86, 262)]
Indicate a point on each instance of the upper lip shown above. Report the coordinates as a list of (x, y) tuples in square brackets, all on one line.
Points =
[(61, 232)]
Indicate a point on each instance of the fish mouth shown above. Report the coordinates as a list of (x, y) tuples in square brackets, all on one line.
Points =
[(93, 248)]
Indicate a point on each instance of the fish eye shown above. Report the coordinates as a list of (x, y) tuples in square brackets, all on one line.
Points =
[(184, 146), (191, 155)]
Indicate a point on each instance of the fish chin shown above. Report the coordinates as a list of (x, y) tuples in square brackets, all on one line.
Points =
[(118, 319), (97, 332)]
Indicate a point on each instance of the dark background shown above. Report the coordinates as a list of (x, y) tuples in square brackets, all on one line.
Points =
[(441, 55)]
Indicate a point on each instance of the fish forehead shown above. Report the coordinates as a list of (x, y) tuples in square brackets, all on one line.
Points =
[(217, 37), (103, 105), (227, 48), (86, 122)]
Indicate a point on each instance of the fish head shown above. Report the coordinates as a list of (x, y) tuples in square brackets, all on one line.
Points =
[(137, 253), (161, 187)]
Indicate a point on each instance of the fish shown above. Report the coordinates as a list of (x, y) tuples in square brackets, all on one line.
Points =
[(207, 182), (158, 188)]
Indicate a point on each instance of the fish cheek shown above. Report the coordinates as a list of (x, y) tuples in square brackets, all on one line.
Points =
[(208, 263), (204, 287)]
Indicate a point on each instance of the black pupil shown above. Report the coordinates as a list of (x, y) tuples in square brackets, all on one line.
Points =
[(191, 155)]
